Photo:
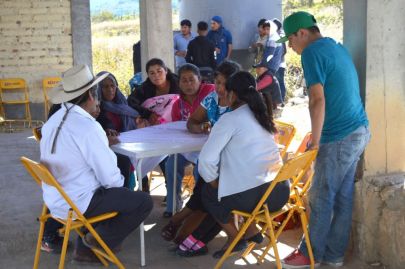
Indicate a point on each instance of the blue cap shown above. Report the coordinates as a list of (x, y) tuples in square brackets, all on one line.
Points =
[(217, 19)]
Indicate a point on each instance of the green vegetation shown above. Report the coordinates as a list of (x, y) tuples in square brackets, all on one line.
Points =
[(112, 41), (329, 15), (113, 38)]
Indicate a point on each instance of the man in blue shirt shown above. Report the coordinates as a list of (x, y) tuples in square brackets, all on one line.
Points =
[(340, 133), (221, 38), (181, 41)]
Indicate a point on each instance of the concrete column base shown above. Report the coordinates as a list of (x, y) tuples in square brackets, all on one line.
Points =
[(379, 220)]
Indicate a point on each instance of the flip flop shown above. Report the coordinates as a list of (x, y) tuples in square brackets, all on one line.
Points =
[(241, 245), (191, 252)]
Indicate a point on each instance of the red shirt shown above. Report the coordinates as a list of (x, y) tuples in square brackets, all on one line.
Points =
[(182, 110), (115, 120)]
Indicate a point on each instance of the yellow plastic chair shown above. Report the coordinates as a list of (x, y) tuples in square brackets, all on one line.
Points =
[(75, 219), (47, 84), (284, 136), (14, 91), (293, 169)]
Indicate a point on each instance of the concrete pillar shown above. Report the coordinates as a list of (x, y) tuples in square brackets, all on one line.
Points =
[(385, 86), (373, 32), (156, 32), (81, 32)]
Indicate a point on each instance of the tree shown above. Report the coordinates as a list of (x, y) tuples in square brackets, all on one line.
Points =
[(103, 16)]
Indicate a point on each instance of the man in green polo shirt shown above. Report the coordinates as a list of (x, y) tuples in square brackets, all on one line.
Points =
[(340, 132)]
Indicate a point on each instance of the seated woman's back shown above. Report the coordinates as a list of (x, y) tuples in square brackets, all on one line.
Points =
[(248, 153), (241, 150)]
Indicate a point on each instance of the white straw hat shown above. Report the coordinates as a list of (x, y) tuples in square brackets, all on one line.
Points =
[(75, 81)]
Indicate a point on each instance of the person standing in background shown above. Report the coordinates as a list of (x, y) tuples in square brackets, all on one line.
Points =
[(221, 38), (181, 41), (260, 39), (200, 50)]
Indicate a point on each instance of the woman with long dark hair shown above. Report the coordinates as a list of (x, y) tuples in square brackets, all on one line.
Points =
[(240, 159), (160, 81), (213, 106)]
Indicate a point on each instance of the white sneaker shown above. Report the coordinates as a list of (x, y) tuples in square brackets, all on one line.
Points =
[(333, 264)]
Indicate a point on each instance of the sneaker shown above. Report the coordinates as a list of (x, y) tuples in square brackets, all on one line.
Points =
[(296, 260), (333, 264), (53, 244), (240, 246)]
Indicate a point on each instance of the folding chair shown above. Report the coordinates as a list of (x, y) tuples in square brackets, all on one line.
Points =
[(301, 186), (292, 169), (74, 221), (284, 136), (17, 94), (304, 144), (188, 182), (305, 181), (37, 133), (47, 84)]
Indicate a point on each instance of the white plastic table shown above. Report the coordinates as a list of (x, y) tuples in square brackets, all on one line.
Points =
[(146, 147)]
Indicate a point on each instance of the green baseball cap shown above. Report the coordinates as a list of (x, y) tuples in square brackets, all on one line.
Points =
[(296, 21)]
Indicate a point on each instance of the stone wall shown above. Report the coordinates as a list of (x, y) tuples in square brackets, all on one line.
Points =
[(36, 41), (379, 220)]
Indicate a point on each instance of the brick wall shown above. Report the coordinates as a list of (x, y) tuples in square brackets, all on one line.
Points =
[(35, 41)]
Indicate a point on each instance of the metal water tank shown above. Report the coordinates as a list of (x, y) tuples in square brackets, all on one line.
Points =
[(240, 17)]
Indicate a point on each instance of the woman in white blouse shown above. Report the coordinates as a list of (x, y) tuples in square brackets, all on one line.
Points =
[(240, 159)]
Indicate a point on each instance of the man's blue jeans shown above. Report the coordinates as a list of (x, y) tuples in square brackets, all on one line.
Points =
[(331, 196)]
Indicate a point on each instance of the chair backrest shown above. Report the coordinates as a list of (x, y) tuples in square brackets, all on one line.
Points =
[(304, 144), (293, 169), (49, 83), (13, 84), (41, 175), (284, 136)]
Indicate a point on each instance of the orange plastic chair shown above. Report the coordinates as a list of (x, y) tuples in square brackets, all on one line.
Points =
[(304, 144), (47, 84), (74, 221), (293, 169), (13, 91), (284, 136)]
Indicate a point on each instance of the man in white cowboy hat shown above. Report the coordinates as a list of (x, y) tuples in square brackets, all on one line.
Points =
[(75, 149)]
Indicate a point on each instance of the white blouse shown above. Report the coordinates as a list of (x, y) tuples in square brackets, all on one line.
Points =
[(240, 152)]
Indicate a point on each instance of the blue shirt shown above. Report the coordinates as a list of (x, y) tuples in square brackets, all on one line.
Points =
[(274, 51), (181, 43), (327, 62), (221, 39), (214, 110)]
